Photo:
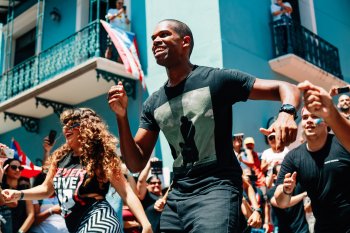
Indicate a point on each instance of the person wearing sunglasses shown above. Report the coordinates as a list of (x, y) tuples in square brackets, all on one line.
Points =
[(80, 173), (149, 190), (22, 212), (271, 158)]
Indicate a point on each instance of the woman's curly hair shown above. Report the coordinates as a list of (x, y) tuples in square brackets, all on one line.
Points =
[(98, 145)]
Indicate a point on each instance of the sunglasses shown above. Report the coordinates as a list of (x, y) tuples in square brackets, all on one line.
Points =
[(155, 182), (15, 167), (271, 137), (71, 126)]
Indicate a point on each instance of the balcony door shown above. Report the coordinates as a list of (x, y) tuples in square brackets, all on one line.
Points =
[(25, 46)]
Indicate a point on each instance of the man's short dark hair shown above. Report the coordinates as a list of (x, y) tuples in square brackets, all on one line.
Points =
[(183, 30)]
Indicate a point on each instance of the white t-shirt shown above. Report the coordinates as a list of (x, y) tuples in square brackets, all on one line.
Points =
[(275, 7), (118, 21), (54, 223), (269, 156)]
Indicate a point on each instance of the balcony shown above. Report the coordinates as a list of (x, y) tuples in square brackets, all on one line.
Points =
[(69, 72), (302, 55)]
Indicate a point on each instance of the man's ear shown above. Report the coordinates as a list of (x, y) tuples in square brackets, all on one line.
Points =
[(186, 41)]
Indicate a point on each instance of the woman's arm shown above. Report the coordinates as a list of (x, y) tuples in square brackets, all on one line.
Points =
[(42, 216), (39, 192), (131, 200), (30, 217)]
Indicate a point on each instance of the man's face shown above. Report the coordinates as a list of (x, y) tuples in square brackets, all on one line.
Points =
[(309, 125), (344, 102), (237, 142), (167, 44), (119, 4), (155, 186)]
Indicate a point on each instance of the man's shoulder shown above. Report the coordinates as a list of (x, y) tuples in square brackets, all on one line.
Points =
[(297, 151)]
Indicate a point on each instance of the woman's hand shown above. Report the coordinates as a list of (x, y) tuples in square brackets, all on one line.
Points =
[(2, 169), (11, 195), (147, 229)]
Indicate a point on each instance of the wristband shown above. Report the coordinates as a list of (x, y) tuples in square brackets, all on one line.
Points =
[(21, 196), (257, 210), (289, 194), (50, 211)]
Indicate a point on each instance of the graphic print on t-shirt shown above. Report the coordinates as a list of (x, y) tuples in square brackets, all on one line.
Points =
[(67, 182), (189, 127)]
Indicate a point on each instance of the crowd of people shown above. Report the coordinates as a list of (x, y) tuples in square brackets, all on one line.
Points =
[(209, 192)]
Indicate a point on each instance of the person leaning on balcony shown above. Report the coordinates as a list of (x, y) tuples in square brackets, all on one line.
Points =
[(194, 111), (117, 16), (281, 14), (80, 173), (281, 10)]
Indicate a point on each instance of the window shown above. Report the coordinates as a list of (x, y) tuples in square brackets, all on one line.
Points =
[(25, 46)]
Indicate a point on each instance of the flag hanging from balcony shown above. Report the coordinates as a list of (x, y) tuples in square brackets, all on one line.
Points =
[(125, 43), (20, 155)]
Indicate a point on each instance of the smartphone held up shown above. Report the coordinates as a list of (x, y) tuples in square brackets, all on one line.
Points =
[(6, 152), (52, 136)]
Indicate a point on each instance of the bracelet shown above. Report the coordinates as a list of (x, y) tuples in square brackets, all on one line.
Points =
[(289, 194), (259, 210), (50, 211), (22, 195)]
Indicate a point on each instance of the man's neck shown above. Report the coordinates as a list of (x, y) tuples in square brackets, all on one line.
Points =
[(178, 73), (316, 143)]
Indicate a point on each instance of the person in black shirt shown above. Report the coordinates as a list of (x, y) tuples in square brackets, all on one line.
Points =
[(194, 111), (322, 167), (319, 102), (149, 190)]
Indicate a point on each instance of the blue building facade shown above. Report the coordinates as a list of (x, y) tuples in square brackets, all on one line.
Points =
[(228, 34)]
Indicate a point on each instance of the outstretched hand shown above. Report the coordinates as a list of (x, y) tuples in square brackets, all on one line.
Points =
[(285, 128), (118, 99), (316, 100), (11, 195), (289, 182)]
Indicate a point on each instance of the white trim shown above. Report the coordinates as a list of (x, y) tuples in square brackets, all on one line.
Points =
[(82, 14), (307, 15)]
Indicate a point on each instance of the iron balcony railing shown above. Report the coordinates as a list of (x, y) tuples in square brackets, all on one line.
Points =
[(64, 55), (291, 37)]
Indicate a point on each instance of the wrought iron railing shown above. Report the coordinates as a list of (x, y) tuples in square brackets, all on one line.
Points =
[(291, 37), (72, 51)]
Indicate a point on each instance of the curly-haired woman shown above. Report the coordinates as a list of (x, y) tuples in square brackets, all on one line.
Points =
[(80, 172)]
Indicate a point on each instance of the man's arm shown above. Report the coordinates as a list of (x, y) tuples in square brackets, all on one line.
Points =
[(141, 185), (136, 152), (319, 102), (284, 191), (285, 126), (293, 200)]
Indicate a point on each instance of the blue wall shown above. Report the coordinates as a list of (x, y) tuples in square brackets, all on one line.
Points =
[(333, 24), (247, 46), (54, 32)]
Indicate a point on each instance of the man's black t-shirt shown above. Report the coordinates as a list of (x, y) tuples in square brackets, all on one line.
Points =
[(324, 174), (196, 119), (292, 219)]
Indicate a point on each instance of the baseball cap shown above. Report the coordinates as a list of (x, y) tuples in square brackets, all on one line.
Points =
[(249, 140)]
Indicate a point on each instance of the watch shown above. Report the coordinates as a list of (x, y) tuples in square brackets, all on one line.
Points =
[(290, 109), (257, 210)]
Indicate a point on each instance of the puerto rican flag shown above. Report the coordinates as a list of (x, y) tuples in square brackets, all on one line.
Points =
[(20, 155), (125, 43)]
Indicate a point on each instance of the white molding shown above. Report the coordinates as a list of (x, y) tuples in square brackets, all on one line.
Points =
[(82, 14), (307, 15), (299, 70)]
